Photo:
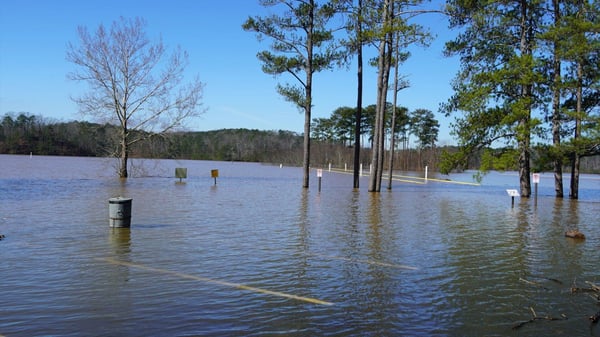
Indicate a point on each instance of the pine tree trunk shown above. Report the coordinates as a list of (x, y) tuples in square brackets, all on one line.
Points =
[(307, 119), (556, 115), (374, 182), (358, 116), (393, 126), (383, 74), (524, 137), (574, 192), (308, 99)]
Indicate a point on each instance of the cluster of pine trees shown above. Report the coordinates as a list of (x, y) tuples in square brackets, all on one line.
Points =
[(340, 126), (530, 70)]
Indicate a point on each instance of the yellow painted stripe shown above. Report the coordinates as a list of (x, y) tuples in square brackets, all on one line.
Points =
[(383, 264), (393, 177), (442, 180), (413, 179), (213, 281), (408, 181)]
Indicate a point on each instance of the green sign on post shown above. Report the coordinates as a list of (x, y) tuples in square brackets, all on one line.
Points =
[(180, 172)]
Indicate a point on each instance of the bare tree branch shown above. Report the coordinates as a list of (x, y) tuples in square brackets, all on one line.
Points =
[(121, 67)]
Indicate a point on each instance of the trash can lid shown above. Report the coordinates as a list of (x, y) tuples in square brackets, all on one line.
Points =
[(119, 200)]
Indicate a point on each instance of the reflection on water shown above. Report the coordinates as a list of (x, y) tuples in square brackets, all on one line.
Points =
[(242, 257), (120, 241)]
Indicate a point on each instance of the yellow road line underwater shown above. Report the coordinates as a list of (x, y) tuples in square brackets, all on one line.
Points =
[(413, 180), (209, 280), (393, 177), (441, 180)]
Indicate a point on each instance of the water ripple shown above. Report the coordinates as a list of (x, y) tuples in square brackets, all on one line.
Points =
[(242, 257)]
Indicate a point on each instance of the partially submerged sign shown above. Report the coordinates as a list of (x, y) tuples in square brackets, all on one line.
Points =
[(536, 178), (513, 193), (214, 174), (180, 172)]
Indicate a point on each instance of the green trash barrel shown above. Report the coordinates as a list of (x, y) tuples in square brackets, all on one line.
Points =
[(119, 212)]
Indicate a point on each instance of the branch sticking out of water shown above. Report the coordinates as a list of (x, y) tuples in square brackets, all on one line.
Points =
[(594, 292), (535, 317), (593, 286), (592, 289), (532, 283)]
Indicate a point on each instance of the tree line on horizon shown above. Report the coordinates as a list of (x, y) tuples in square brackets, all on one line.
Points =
[(29, 134)]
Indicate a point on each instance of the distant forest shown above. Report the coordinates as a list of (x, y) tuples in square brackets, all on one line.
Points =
[(25, 134)]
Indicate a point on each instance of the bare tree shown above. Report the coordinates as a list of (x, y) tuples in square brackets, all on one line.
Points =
[(133, 81)]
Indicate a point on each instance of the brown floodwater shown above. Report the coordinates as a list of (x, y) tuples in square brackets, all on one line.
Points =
[(257, 255)]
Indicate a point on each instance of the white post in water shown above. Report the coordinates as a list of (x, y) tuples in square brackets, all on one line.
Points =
[(345, 167), (119, 212), (536, 181), (360, 170), (319, 175), (329, 167), (426, 168)]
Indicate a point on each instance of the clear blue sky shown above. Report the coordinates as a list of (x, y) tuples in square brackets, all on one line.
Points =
[(33, 69)]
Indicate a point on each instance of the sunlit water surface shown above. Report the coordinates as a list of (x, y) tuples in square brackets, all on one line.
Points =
[(257, 255)]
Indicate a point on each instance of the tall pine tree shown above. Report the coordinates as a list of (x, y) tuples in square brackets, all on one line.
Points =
[(495, 90), (302, 46)]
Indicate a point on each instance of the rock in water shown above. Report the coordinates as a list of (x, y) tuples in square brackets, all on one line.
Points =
[(574, 234)]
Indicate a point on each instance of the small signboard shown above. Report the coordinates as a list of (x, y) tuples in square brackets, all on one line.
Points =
[(214, 174), (180, 172), (536, 178), (513, 193), (319, 173)]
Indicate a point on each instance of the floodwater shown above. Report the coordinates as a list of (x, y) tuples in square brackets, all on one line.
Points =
[(257, 255)]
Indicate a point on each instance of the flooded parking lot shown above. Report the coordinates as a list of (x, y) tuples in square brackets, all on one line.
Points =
[(257, 255)]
